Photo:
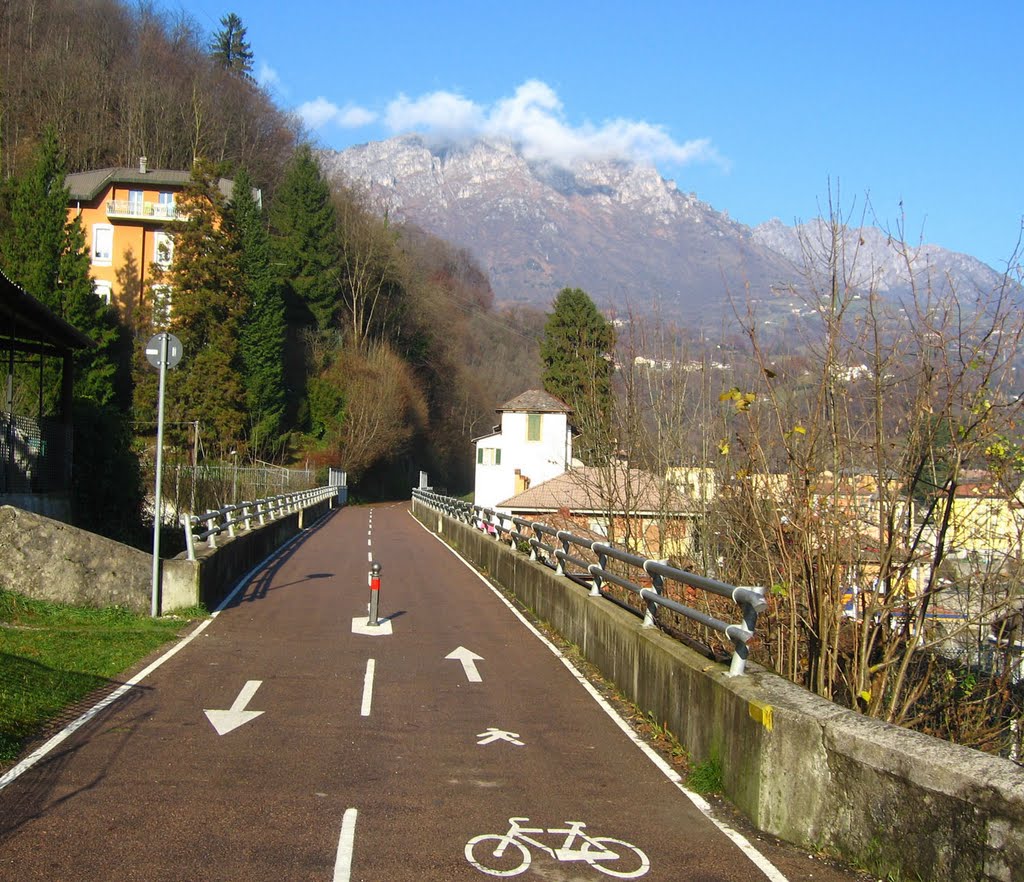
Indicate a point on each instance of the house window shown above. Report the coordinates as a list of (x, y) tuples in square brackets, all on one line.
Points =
[(533, 427), (103, 291), (135, 201), (161, 306), (102, 244), (166, 202), (163, 250), (488, 456)]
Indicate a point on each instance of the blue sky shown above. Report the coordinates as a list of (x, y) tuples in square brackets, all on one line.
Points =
[(758, 108)]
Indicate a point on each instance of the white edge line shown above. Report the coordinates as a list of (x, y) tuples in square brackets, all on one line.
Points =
[(20, 768), (702, 805), (343, 861), (371, 666)]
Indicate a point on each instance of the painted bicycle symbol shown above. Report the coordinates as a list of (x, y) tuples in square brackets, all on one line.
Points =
[(508, 854)]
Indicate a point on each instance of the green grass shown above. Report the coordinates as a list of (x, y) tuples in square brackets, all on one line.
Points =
[(706, 778), (53, 655)]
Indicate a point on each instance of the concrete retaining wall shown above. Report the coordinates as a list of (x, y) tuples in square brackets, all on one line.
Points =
[(800, 767), (51, 560)]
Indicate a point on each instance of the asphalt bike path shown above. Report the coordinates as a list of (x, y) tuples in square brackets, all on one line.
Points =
[(293, 740)]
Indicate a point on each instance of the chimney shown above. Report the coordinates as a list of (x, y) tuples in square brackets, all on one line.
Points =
[(142, 164)]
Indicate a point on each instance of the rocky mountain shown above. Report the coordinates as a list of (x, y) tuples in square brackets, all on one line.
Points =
[(620, 231), (874, 259)]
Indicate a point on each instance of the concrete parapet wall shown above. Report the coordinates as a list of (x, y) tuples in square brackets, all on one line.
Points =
[(51, 560), (799, 766)]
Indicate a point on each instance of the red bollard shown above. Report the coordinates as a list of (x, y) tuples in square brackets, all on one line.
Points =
[(374, 593)]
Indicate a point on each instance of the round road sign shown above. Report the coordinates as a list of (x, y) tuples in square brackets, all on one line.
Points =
[(174, 350)]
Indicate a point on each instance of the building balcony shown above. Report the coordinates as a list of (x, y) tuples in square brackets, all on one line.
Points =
[(155, 211)]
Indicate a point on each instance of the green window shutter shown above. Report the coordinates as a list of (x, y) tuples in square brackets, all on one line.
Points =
[(497, 456), (479, 456)]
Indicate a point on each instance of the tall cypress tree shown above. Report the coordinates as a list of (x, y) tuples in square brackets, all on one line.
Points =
[(577, 352), (262, 335)]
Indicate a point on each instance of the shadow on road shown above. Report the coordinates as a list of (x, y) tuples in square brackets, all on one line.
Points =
[(34, 793)]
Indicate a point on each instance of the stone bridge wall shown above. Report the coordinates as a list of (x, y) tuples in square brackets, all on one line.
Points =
[(800, 767), (51, 560)]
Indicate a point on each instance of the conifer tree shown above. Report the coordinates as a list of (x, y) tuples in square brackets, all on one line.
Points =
[(46, 254), (206, 303), (577, 353), (230, 48), (262, 334), (34, 238), (305, 242), (306, 256)]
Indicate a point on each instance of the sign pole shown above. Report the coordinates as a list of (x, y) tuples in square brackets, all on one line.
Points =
[(158, 502)]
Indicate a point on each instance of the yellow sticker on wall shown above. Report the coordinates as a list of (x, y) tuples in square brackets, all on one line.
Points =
[(762, 713)]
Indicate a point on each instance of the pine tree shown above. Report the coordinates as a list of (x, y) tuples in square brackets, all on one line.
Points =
[(305, 242), (230, 48), (262, 336), (206, 304), (46, 254), (306, 256), (34, 238), (577, 352)]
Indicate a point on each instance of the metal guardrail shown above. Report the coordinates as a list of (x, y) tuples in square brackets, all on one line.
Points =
[(207, 527), (559, 553)]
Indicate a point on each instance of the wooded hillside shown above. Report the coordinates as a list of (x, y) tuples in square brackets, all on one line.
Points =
[(316, 331)]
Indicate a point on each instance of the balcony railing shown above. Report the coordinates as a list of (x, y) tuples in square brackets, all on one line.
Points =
[(144, 210)]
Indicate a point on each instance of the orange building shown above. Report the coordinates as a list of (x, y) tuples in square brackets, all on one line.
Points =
[(128, 216)]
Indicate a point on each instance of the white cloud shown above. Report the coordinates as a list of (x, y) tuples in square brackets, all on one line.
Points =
[(442, 112), (267, 77), (353, 117), (533, 117), (320, 112)]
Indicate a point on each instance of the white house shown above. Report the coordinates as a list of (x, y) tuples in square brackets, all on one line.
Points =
[(532, 444)]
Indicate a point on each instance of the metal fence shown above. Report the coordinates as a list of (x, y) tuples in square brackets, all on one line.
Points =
[(248, 515), (562, 551), (35, 455)]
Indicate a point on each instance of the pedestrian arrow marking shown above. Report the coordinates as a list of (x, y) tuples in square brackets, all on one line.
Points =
[(492, 735), (225, 721), (468, 660)]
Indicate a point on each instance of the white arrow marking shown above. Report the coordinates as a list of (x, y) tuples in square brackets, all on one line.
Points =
[(492, 735), (225, 721), (468, 659)]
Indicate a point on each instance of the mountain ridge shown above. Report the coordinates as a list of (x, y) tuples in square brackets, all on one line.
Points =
[(619, 230)]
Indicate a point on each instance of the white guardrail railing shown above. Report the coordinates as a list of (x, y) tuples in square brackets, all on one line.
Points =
[(247, 515), (563, 550)]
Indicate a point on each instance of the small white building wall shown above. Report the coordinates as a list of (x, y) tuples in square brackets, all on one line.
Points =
[(536, 460), (490, 480)]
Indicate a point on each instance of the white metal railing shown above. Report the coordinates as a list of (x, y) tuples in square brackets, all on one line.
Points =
[(154, 210), (558, 553), (246, 515)]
